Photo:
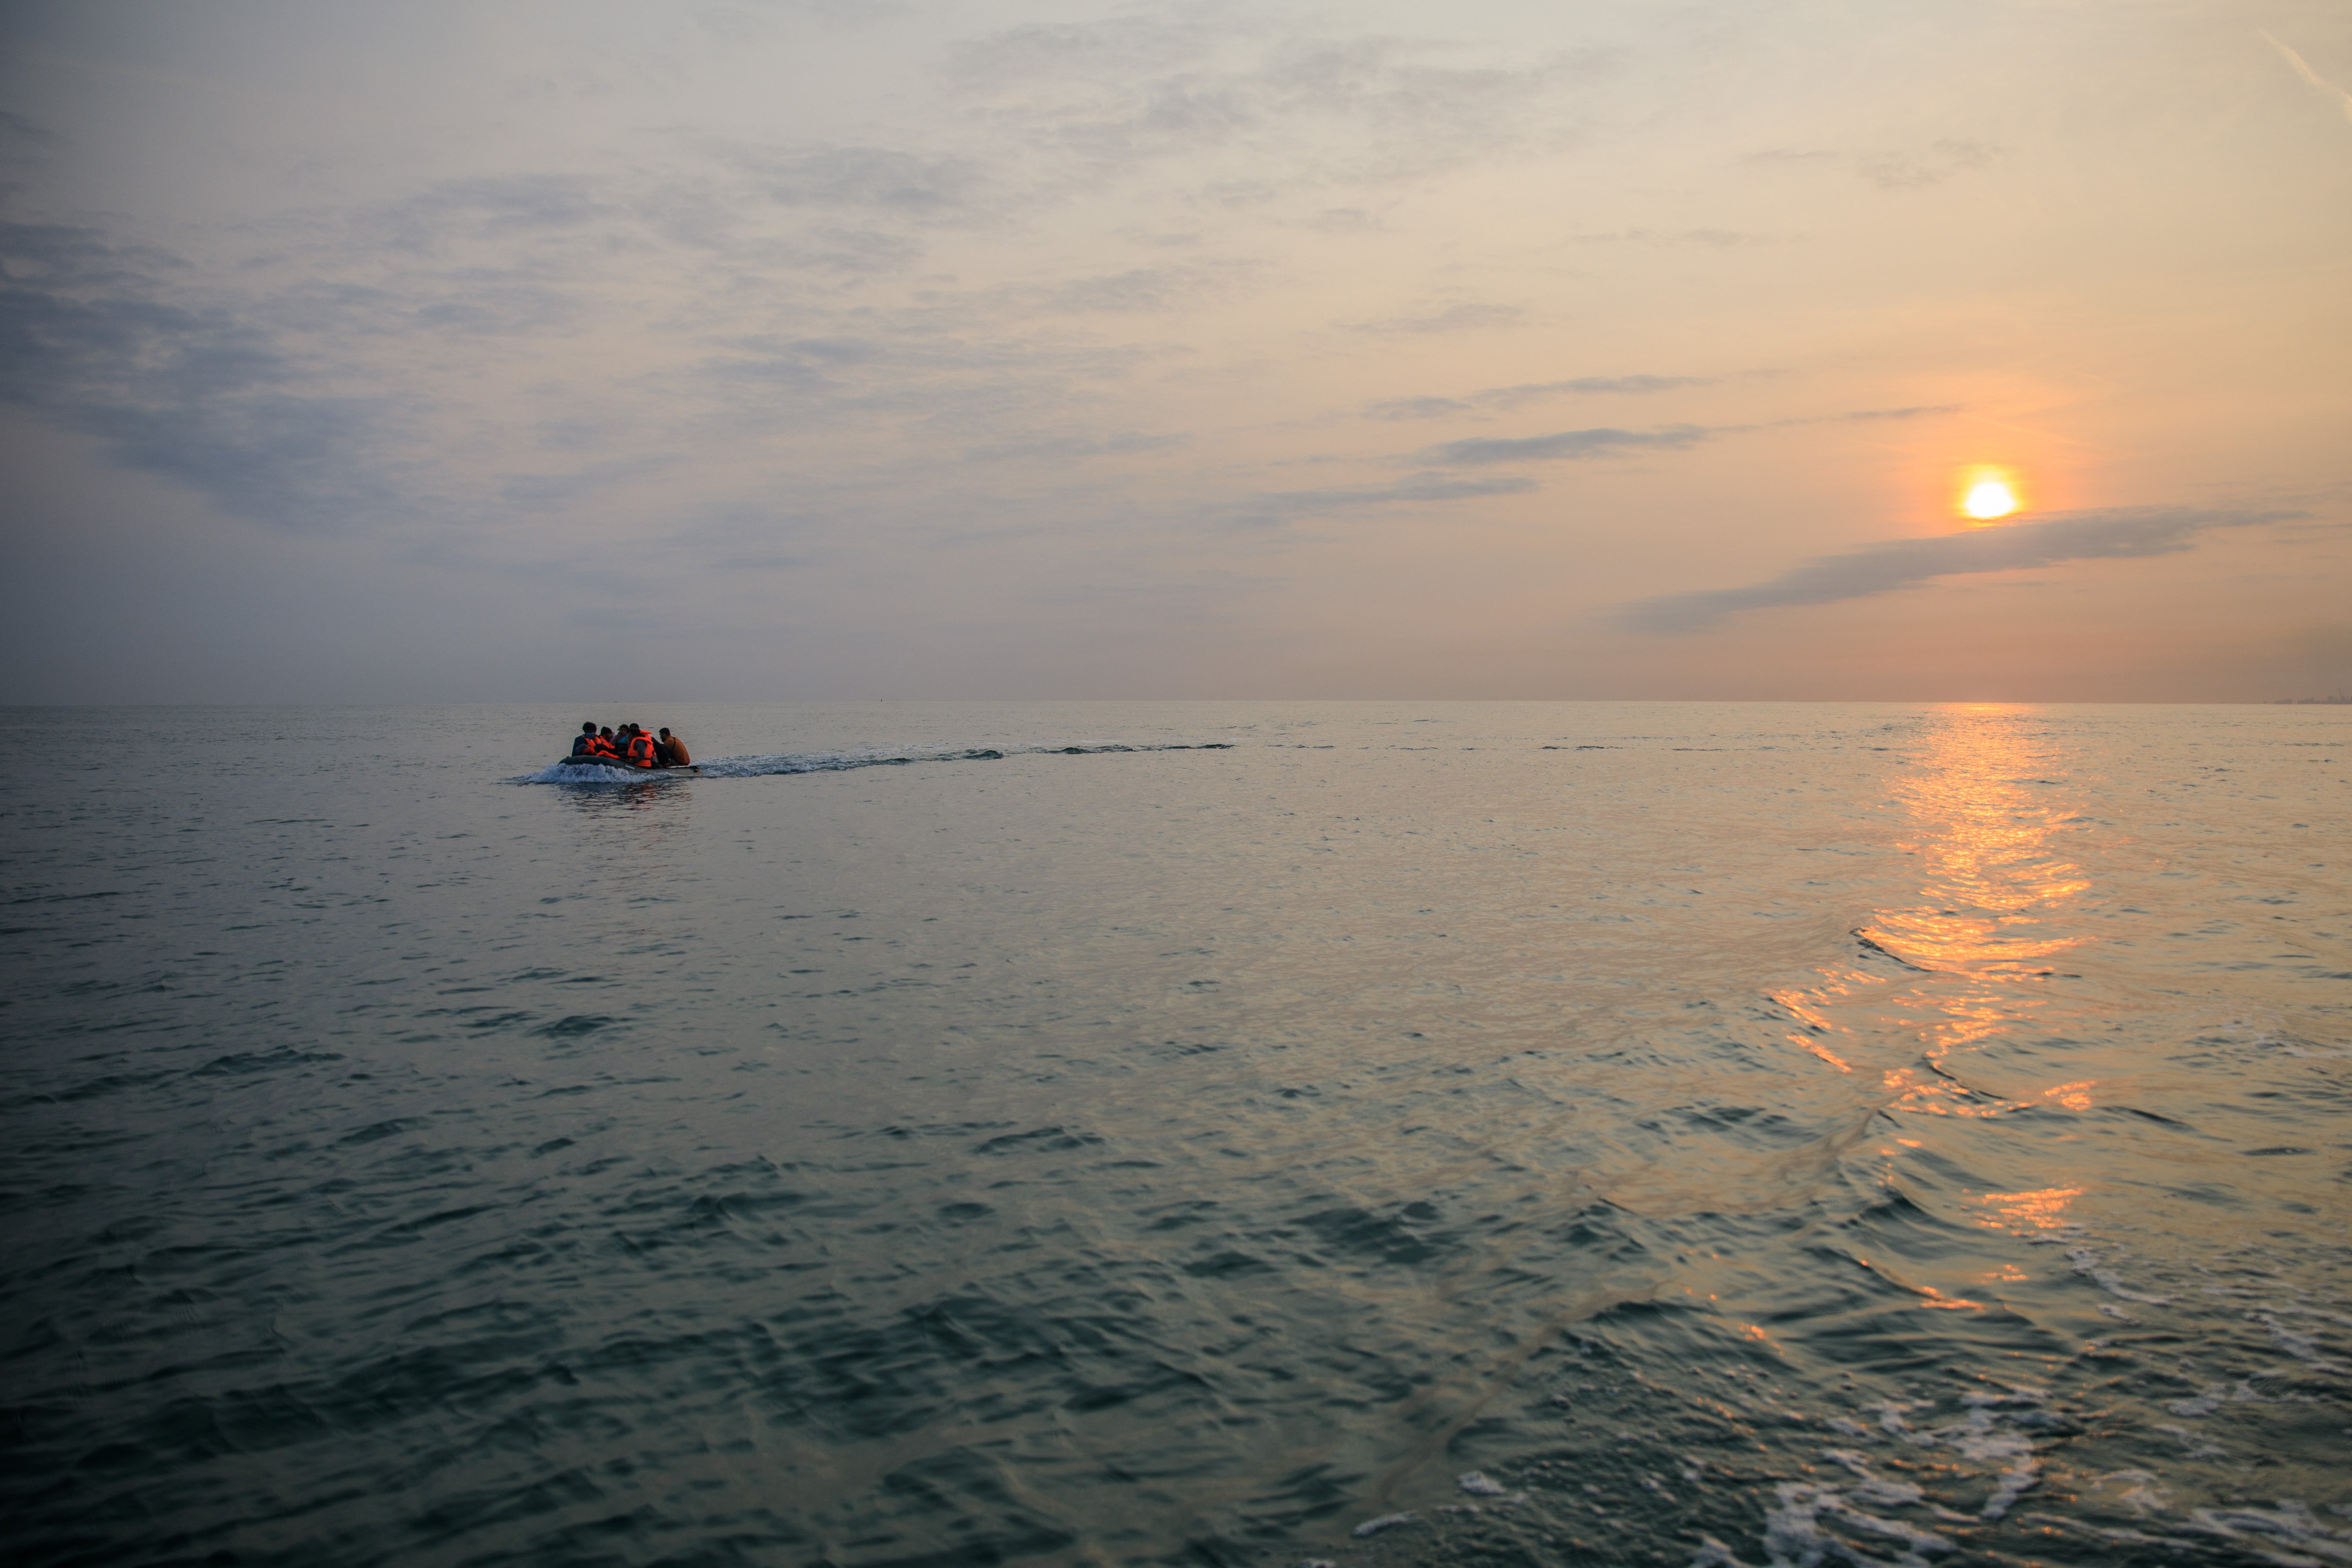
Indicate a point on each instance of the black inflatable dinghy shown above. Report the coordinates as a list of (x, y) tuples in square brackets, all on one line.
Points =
[(624, 768)]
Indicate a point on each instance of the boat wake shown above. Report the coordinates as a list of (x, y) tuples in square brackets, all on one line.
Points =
[(848, 762)]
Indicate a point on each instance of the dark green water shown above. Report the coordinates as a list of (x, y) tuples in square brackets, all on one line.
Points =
[(1758, 1133)]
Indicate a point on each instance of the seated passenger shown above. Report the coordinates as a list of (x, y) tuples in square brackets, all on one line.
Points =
[(674, 750), (583, 745), (639, 750)]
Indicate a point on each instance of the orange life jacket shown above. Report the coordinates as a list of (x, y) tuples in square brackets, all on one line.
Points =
[(598, 747), (641, 752)]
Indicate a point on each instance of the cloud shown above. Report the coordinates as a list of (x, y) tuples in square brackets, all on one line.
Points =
[(489, 307), (90, 339), (1097, 100), (1101, 54), (1066, 446), (1278, 504), (983, 387), (733, 219), (1882, 567), (1512, 396), (489, 210), (25, 148), (16, 127), (1896, 171), (1528, 392), (551, 491), (1902, 172), (1453, 318), (1567, 445), (1918, 411), (48, 255), (2312, 78), (1141, 289), (1419, 407), (871, 177), (1723, 238)]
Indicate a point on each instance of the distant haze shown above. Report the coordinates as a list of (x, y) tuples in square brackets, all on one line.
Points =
[(360, 353)]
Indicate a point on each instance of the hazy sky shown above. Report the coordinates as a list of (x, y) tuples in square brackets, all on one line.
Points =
[(1006, 348)]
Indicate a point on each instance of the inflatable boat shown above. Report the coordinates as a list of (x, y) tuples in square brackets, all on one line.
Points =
[(620, 767)]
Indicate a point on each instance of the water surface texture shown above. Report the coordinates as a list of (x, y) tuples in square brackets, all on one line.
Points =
[(1208, 1133)]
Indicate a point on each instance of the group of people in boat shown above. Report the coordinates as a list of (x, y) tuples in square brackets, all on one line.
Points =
[(630, 746)]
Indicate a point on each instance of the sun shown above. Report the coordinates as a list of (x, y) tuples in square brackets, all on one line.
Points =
[(1990, 498), (1987, 493)]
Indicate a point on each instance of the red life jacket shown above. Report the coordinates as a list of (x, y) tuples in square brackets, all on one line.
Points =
[(641, 752)]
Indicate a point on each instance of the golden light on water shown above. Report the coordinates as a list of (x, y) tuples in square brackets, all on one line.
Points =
[(2043, 1210), (1996, 903)]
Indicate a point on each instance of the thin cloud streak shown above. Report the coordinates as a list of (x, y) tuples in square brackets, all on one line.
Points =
[(1277, 504), (1528, 392), (1894, 563), (1921, 411), (2311, 78), (1564, 446)]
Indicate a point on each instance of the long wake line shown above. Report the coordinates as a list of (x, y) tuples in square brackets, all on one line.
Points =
[(846, 762)]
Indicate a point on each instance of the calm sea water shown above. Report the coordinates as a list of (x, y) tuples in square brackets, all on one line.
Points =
[(1241, 1133)]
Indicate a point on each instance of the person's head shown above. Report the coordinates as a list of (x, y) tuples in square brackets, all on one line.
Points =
[(608, 732), (589, 727), (664, 731)]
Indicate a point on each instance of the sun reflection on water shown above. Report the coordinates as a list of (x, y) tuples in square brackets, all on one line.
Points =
[(1993, 878), (2042, 1210), (1990, 923)]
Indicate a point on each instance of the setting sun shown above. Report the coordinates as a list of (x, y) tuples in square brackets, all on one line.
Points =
[(1988, 493), (1991, 498)]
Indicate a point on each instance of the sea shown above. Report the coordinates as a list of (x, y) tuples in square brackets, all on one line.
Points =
[(1264, 1134)]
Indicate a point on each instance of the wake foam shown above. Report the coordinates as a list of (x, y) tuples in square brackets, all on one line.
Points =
[(848, 762), (566, 773)]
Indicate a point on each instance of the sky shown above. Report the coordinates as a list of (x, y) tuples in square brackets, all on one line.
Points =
[(1005, 349)]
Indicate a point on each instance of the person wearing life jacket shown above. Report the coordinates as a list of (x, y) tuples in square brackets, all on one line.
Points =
[(674, 750), (607, 743), (640, 751), (583, 745)]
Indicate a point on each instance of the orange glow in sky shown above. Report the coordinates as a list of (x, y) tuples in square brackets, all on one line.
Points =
[(1513, 388)]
